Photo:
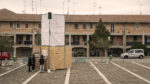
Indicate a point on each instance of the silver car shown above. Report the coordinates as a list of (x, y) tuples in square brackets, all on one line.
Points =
[(134, 53)]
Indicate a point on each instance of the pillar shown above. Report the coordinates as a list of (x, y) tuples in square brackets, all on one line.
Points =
[(33, 39), (69, 39), (143, 39), (14, 50), (14, 39), (87, 46), (124, 38), (15, 44), (143, 36)]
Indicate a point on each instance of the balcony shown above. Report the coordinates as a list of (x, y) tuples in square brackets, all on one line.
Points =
[(27, 42), (75, 43), (24, 42), (131, 43), (19, 42), (147, 43)]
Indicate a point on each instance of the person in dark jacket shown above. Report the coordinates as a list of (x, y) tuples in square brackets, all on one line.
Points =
[(41, 63), (33, 62), (29, 63)]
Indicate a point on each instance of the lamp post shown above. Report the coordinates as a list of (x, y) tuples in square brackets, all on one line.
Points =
[(124, 37), (49, 17)]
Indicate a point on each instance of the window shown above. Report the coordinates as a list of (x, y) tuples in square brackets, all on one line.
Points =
[(28, 37), (131, 51), (112, 28), (135, 38), (39, 25), (84, 26), (18, 25), (11, 25), (76, 26), (26, 25), (147, 39), (90, 38), (137, 26), (84, 38), (91, 25), (139, 51)]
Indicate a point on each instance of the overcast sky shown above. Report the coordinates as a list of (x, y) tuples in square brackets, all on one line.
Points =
[(78, 6)]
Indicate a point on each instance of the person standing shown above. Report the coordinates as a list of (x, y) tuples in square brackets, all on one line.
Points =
[(110, 57), (29, 63), (33, 62), (41, 63)]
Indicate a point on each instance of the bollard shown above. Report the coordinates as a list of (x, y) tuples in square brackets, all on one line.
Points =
[(110, 58), (14, 59)]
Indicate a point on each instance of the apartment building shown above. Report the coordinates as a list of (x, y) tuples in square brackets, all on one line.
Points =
[(125, 31), (22, 28)]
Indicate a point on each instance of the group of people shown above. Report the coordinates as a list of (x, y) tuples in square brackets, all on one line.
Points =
[(31, 63)]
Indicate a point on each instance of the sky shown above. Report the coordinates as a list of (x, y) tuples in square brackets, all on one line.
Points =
[(78, 6)]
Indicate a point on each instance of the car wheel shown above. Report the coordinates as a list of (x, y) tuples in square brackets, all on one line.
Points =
[(140, 57), (126, 57)]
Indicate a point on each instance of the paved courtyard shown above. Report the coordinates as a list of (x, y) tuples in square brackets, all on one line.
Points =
[(92, 71)]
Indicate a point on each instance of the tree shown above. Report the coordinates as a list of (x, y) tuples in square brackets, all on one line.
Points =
[(6, 44), (100, 38), (140, 46)]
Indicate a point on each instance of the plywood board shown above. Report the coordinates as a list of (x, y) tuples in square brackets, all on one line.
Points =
[(60, 57), (68, 56)]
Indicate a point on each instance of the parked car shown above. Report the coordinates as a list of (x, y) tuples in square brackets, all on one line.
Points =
[(134, 53), (4, 55)]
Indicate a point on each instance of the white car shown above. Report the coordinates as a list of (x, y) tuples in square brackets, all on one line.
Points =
[(134, 53)]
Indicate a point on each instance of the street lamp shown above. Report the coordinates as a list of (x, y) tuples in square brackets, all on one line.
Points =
[(49, 17), (124, 41)]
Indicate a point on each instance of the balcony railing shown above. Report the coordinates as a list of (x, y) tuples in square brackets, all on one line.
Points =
[(147, 43), (75, 43), (131, 43), (19, 42), (24, 42), (27, 42)]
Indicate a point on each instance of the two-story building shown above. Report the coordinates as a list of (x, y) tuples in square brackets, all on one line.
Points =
[(125, 30), (23, 28)]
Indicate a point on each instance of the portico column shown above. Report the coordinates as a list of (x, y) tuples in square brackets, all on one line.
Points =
[(143, 39), (87, 46), (15, 44), (69, 39), (33, 39), (14, 50), (124, 38)]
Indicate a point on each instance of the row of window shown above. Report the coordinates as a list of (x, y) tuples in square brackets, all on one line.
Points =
[(112, 27), (11, 25), (84, 26)]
